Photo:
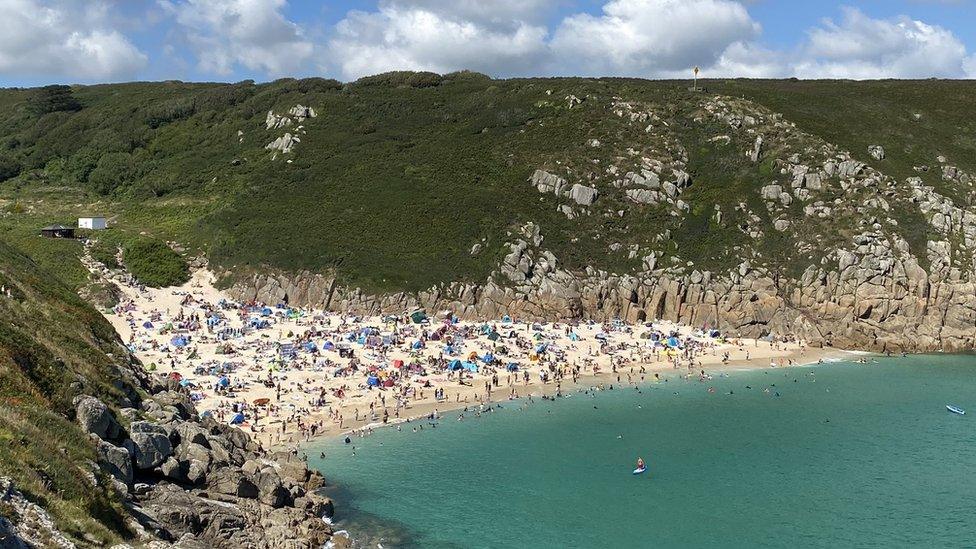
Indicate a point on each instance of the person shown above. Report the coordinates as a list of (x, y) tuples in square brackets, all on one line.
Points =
[(640, 463)]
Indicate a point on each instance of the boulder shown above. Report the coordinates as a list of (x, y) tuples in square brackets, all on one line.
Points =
[(771, 192), (876, 151), (149, 444), (114, 460), (583, 195), (95, 418), (231, 481)]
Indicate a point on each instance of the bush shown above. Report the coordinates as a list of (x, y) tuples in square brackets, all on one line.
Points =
[(114, 170), (9, 167), (154, 264), (54, 98), (169, 111), (409, 79), (105, 254)]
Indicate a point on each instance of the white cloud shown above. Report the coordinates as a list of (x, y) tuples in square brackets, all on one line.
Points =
[(253, 34), (408, 35), (485, 12), (651, 37), (861, 47), (70, 40)]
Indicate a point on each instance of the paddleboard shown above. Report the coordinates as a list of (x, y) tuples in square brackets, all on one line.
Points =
[(639, 471), (953, 409)]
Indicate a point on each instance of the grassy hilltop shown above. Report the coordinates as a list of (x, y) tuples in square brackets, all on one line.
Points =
[(398, 176)]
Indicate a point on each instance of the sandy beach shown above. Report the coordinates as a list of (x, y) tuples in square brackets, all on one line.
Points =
[(287, 375)]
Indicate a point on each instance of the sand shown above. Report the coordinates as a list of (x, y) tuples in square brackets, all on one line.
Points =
[(303, 393)]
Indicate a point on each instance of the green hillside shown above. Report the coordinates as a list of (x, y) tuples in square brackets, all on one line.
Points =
[(53, 347), (399, 176)]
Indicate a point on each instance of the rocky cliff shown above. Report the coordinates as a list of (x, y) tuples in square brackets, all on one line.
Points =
[(847, 274)]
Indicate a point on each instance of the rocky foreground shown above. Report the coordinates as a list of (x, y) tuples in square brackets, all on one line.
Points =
[(186, 481)]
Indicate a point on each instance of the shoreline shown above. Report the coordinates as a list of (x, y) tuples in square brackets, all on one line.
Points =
[(422, 410), (289, 376)]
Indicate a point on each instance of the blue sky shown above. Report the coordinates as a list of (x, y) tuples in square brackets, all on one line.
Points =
[(90, 41)]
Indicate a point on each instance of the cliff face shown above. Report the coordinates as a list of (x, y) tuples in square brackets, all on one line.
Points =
[(778, 231), (875, 303)]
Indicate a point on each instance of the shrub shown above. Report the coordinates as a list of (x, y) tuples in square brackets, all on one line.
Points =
[(154, 263), (402, 79), (9, 167), (54, 98)]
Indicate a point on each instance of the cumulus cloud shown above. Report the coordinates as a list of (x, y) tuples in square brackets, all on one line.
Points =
[(651, 37), (492, 12), (862, 47), (412, 35), (254, 34), (70, 40)]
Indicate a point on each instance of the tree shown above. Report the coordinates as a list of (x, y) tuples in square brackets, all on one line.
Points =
[(53, 98)]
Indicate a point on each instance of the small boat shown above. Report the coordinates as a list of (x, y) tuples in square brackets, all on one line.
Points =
[(639, 470), (955, 409)]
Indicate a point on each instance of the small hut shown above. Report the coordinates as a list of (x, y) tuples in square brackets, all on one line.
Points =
[(58, 231)]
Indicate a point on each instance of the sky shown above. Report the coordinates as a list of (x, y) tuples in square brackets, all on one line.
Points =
[(95, 41)]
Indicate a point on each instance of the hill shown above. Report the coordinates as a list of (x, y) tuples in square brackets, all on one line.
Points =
[(447, 191)]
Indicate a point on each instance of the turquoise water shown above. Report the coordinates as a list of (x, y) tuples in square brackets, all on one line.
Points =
[(848, 455)]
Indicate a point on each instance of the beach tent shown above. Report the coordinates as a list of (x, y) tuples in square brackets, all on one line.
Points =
[(488, 358), (418, 344), (147, 325), (237, 419), (506, 319), (454, 365), (179, 341), (674, 342), (398, 363), (541, 348), (328, 346), (418, 316), (373, 381), (309, 346), (470, 366), (266, 311), (512, 367), (573, 336), (223, 381), (493, 336)]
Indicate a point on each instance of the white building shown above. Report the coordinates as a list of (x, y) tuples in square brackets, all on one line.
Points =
[(94, 222)]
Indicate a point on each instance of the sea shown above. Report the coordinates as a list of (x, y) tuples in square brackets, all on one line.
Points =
[(843, 454)]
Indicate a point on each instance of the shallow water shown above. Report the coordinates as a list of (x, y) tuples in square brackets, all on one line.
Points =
[(847, 455)]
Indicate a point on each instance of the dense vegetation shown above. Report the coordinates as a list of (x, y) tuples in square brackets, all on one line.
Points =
[(53, 346), (401, 174)]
